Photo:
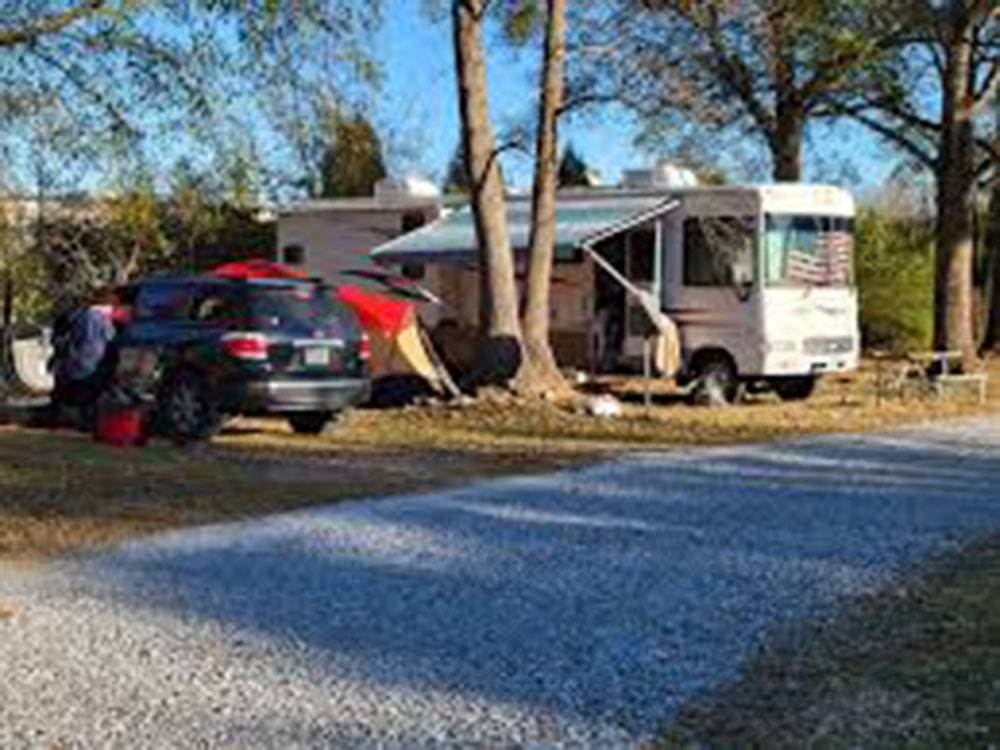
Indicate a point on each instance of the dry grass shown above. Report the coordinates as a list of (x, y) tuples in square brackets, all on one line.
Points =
[(918, 666), (60, 492), (837, 407)]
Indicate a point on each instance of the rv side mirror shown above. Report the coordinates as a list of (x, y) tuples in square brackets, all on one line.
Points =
[(742, 280)]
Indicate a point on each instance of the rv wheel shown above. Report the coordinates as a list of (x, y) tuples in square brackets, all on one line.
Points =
[(795, 389), (715, 381)]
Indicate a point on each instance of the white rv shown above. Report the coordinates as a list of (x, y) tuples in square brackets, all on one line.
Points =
[(760, 282), (758, 279)]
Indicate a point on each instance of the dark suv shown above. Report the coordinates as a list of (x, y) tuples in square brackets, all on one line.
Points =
[(245, 347)]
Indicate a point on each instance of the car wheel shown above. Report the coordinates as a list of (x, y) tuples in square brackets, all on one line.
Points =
[(715, 381), (310, 422), (795, 389), (188, 412)]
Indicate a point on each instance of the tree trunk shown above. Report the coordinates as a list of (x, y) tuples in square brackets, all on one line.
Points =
[(6, 237), (786, 131), (500, 350), (541, 372), (956, 186), (786, 142), (8, 297), (991, 335)]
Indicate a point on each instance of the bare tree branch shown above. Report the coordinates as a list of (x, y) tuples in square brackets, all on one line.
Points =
[(898, 137), (51, 24)]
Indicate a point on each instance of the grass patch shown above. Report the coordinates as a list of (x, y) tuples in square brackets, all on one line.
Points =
[(847, 406), (915, 666), (60, 492)]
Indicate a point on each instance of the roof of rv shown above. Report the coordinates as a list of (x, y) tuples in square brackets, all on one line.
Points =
[(584, 215), (371, 204)]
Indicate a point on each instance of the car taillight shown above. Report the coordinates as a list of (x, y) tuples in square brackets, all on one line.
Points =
[(365, 347), (250, 346)]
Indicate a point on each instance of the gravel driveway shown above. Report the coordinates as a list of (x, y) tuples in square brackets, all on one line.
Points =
[(576, 609)]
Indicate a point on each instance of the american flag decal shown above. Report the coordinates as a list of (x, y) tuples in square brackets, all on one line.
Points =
[(828, 264)]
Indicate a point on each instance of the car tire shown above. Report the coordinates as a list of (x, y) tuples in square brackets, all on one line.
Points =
[(715, 381), (795, 389), (187, 411), (310, 422)]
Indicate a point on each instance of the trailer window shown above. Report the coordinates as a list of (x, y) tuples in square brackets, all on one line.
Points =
[(641, 255), (717, 250), (804, 251)]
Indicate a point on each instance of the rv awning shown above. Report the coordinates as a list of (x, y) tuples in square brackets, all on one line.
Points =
[(579, 221)]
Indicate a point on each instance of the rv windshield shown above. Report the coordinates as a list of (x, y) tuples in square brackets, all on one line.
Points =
[(807, 251)]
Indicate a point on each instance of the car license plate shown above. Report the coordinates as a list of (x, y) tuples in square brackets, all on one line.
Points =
[(316, 356)]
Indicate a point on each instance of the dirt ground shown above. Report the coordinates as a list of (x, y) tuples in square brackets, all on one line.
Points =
[(60, 492)]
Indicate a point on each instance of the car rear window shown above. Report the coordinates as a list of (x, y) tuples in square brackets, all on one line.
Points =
[(283, 306), (163, 302)]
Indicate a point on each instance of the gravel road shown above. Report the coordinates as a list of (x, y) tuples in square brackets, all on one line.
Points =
[(576, 609)]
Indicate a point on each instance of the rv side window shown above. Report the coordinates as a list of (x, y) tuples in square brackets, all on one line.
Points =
[(717, 250), (413, 271), (412, 220), (293, 255), (641, 255)]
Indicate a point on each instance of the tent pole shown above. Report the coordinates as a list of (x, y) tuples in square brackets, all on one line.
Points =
[(647, 371), (658, 262)]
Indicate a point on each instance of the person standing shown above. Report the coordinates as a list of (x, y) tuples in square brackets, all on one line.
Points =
[(82, 365)]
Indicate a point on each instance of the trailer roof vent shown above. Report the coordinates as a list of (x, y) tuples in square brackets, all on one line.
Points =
[(404, 189), (664, 175)]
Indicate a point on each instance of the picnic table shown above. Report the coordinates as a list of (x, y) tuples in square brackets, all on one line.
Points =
[(931, 373)]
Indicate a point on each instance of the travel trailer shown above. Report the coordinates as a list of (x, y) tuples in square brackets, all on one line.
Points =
[(758, 280), (327, 237)]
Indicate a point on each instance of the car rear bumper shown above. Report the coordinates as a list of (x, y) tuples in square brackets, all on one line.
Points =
[(272, 396)]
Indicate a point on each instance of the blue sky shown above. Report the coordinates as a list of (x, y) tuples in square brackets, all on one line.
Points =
[(418, 103), (418, 112)]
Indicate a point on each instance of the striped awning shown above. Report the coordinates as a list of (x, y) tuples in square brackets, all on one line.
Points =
[(580, 220)]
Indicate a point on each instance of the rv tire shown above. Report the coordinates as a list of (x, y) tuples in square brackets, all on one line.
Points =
[(716, 382), (795, 389)]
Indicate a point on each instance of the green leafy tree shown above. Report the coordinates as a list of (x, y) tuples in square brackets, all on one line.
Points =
[(353, 161), (895, 276), (573, 170), (456, 178)]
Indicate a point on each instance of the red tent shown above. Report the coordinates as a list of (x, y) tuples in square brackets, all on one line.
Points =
[(376, 312), (257, 269)]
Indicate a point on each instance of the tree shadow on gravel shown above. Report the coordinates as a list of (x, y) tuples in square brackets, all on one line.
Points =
[(612, 594)]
